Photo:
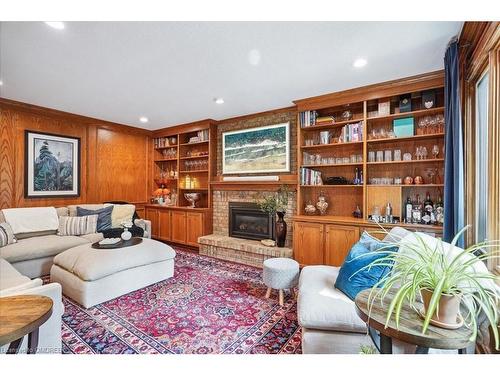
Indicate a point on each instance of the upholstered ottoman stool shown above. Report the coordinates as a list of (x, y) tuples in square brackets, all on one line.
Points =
[(91, 276), (279, 274)]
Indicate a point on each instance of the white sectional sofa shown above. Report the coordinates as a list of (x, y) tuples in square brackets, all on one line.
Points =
[(25, 261), (33, 253)]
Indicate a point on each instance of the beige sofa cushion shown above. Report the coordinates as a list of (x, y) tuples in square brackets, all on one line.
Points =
[(61, 211), (93, 237), (72, 207), (321, 306), (39, 247), (93, 264), (121, 213), (12, 280)]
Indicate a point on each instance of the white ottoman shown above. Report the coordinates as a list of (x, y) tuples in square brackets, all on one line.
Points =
[(92, 276), (279, 274)]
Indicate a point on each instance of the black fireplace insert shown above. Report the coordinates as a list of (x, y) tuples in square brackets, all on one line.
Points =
[(248, 221)]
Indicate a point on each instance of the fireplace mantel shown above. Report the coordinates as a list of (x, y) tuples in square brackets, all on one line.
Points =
[(289, 179)]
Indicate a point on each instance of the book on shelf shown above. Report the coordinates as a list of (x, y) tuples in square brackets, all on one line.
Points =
[(310, 177), (308, 118), (352, 132)]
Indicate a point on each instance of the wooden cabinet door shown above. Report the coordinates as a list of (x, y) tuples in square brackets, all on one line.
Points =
[(308, 243), (194, 228), (338, 241), (164, 217), (151, 214), (178, 226)]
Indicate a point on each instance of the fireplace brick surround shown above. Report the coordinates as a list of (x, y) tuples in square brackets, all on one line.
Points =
[(220, 245)]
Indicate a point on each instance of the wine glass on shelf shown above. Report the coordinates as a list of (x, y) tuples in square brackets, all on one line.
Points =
[(424, 152), (435, 151)]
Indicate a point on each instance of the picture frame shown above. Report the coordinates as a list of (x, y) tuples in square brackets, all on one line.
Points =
[(265, 149), (52, 165)]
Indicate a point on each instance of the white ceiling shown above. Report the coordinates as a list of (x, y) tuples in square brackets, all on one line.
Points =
[(170, 72)]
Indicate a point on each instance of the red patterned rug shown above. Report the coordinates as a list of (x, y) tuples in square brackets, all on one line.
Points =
[(209, 306)]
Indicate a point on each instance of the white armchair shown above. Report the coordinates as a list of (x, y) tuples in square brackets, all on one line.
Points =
[(12, 283)]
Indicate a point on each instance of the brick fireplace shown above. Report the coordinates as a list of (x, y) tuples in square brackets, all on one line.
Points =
[(251, 252), (220, 244)]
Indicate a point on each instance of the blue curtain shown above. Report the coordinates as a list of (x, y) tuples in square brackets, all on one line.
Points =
[(453, 165)]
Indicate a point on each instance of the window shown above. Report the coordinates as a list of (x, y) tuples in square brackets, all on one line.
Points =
[(481, 158)]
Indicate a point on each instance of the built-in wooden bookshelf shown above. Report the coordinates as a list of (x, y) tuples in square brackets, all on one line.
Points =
[(184, 158), (345, 149)]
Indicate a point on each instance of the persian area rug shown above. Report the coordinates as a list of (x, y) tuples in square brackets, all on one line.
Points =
[(209, 307)]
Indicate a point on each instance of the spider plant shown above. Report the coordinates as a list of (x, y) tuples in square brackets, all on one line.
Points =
[(418, 266)]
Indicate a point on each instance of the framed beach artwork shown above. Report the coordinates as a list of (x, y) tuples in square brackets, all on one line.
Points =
[(258, 150), (52, 165)]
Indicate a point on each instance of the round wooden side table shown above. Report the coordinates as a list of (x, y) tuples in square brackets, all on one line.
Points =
[(21, 316), (410, 327)]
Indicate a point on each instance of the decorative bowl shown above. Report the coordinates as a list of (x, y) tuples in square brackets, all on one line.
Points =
[(192, 198)]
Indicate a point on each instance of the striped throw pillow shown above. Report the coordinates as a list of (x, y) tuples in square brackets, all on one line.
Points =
[(77, 225), (6, 235)]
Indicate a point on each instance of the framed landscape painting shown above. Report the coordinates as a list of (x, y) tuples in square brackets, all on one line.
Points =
[(257, 150), (52, 165)]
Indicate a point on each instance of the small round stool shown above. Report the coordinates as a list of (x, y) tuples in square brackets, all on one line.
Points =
[(279, 274)]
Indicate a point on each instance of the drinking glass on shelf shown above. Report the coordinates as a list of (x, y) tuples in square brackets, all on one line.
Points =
[(371, 156), (380, 156), (338, 160), (397, 155), (359, 158), (435, 151), (406, 156), (345, 160), (353, 158), (388, 155)]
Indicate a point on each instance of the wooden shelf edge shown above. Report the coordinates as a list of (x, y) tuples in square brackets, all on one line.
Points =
[(418, 112), (361, 222), (405, 161), (412, 138)]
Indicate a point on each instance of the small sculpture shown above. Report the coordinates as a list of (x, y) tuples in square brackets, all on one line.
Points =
[(310, 209), (418, 180), (322, 204), (408, 180), (357, 213)]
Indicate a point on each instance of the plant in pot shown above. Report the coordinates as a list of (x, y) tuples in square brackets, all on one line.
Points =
[(453, 284), (276, 204)]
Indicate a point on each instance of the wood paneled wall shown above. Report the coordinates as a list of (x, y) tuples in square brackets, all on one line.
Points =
[(115, 161)]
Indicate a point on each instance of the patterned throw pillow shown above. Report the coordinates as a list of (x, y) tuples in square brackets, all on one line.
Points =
[(104, 219), (6, 235), (77, 225)]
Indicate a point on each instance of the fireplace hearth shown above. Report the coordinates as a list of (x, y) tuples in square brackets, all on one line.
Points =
[(248, 221)]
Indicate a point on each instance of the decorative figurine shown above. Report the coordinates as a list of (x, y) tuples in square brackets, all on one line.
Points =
[(418, 180), (357, 213), (322, 204), (408, 180), (310, 209)]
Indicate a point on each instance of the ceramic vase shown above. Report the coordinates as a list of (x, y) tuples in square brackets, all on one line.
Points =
[(126, 235), (280, 230)]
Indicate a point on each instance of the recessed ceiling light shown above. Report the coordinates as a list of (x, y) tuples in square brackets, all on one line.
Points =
[(143, 119), (55, 24), (1, 83), (254, 57), (219, 101), (359, 63)]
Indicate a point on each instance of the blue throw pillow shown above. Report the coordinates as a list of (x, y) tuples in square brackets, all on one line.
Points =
[(103, 216), (351, 284)]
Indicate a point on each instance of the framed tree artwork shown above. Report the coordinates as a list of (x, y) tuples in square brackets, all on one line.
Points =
[(52, 165)]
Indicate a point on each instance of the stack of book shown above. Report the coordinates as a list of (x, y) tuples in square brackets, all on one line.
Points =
[(310, 177), (308, 118), (352, 132), (325, 120)]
